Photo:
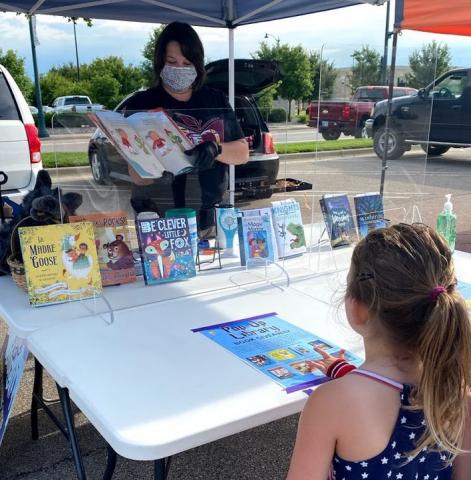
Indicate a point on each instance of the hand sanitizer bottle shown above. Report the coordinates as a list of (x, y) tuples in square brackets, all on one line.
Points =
[(446, 223)]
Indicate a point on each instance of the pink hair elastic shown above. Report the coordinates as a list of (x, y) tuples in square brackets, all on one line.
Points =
[(436, 292)]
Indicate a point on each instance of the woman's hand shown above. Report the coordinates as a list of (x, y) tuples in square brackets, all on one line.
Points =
[(204, 155), (137, 180)]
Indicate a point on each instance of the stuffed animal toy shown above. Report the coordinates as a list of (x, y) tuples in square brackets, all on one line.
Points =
[(44, 205)]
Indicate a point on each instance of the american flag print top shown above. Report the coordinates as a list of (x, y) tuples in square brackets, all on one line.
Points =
[(393, 463)]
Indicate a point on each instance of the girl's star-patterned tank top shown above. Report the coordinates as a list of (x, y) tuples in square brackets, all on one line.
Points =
[(393, 463)]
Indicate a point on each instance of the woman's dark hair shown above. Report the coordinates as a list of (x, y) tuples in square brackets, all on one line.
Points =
[(190, 44)]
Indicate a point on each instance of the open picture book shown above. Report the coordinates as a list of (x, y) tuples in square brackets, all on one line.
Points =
[(149, 141)]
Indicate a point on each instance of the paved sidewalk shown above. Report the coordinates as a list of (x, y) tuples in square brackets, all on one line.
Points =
[(259, 454)]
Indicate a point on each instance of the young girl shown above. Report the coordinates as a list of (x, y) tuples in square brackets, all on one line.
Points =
[(403, 414)]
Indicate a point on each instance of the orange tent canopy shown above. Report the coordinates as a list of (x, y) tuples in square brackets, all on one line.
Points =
[(452, 17)]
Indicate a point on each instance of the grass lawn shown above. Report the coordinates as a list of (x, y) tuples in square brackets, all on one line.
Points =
[(64, 159), (324, 146), (80, 159)]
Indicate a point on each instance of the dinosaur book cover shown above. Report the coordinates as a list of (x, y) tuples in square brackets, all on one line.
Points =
[(369, 212), (61, 263), (338, 219), (166, 252), (149, 141), (289, 230), (113, 246)]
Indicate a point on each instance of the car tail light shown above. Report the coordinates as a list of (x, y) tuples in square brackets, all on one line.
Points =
[(268, 146), (346, 112), (33, 142)]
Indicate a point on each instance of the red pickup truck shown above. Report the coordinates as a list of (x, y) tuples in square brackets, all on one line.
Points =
[(349, 117)]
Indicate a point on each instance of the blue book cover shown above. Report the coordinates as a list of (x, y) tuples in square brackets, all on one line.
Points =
[(276, 348), (256, 236), (166, 251), (369, 212), (338, 219)]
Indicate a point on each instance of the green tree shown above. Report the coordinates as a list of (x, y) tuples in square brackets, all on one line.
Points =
[(16, 66), (122, 79), (105, 89), (428, 63), (294, 64), (366, 69), (322, 71), (147, 65), (55, 85)]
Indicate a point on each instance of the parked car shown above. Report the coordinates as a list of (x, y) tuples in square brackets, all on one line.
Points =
[(257, 177), (437, 117), (75, 103), (349, 117), (20, 148), (46, 109)]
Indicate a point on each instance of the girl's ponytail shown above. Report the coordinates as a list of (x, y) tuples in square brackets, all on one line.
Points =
[(444, 348)]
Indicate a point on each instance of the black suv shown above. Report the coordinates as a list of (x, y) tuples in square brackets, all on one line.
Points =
[(438, 117), (256, 178)]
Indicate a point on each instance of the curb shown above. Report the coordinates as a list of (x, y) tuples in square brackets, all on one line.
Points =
[(283, 157), (64, 136), (323, 154)]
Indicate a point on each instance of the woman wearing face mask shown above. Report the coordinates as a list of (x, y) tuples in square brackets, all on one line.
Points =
[(203, 113)]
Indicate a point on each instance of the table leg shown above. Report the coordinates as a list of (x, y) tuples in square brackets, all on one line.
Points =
[(161, 468), (69, 421), (37, 393), (110, 463)]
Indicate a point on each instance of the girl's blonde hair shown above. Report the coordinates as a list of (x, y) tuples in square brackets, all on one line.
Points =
[(397, 273)]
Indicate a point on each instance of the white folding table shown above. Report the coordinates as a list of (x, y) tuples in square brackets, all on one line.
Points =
[(153, 388)]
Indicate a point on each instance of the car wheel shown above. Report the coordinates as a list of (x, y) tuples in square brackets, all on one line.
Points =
[(397, 147), (435, 150), (98, 167), (331, 134), (360, 131)]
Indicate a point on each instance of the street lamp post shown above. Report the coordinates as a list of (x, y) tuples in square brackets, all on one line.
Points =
[(42, 132), (74, 21)]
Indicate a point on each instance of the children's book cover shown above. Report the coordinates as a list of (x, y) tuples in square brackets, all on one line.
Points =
[(256, 236), (113, 246), (166, 251), (13, 356), (369, 212), (338, 219), (276, 348), (164, 139), (129, 143), (61, 262), (289, 229)]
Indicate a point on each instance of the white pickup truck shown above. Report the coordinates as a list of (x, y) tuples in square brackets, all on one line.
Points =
[(75, 103)]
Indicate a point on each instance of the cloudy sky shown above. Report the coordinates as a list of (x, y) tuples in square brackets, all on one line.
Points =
[(340, 31)]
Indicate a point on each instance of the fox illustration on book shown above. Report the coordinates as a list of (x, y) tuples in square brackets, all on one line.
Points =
[(161, 256)]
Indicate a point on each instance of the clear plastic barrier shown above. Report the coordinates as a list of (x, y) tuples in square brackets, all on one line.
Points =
[(317, 149)]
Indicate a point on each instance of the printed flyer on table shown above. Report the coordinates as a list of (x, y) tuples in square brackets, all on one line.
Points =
[(275, 347)]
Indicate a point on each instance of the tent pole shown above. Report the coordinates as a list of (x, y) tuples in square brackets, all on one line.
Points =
[(231, 101), (392, 72), (42, 132)]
